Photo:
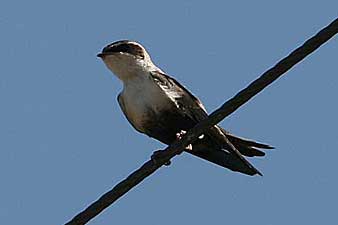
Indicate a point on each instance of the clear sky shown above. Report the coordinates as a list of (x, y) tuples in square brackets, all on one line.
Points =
[(64, 140)]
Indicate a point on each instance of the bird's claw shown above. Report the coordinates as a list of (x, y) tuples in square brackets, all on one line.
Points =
[(180, 134), (158, 154), (179, 137)]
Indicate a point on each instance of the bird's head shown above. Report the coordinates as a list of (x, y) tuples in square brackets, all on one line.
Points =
[(126, 59)]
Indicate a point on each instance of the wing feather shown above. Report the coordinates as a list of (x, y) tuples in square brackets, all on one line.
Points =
[(192, 106)]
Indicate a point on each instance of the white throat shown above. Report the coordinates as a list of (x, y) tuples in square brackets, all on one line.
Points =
[(127, 67)]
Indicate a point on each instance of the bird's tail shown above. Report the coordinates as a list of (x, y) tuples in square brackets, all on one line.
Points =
[(208, 150), (225, 159), (247, 147)]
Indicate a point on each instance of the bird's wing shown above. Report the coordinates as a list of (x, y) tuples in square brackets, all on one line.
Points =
[(186, 101), (192, 106)]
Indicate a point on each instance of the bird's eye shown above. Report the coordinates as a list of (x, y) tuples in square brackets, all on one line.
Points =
[(126, 48)]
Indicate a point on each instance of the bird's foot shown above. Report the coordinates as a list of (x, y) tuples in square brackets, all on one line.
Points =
[(179, 137), (158, 154), (180, 134)]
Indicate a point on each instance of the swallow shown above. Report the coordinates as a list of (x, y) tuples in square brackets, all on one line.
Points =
[(159, 106)]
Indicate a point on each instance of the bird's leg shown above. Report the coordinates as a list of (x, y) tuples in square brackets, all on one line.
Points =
[(158, 154), (179, 137)]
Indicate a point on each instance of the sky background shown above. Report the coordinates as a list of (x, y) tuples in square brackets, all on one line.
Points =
[(64, 140)]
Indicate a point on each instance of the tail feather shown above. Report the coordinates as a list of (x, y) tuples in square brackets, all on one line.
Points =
[(224, 159), (249, 151), (247, 147), (209, 150)]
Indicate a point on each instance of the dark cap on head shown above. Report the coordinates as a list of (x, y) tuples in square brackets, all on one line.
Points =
[(123, 46)]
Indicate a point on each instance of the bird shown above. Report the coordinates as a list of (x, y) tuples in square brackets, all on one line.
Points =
[(157, 105)]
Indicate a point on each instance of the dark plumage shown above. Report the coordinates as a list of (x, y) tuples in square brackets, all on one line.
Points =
[(184, 115), (125, 47)]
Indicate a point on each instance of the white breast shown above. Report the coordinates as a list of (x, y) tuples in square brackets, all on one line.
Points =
[(141, 96)]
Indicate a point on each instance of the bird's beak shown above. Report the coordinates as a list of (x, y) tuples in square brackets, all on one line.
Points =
[(100, 55)]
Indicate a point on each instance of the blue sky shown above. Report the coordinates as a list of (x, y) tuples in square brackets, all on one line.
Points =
[(64, 140)]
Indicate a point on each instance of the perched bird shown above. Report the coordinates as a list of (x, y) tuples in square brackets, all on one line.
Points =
[(157, 105)]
